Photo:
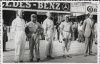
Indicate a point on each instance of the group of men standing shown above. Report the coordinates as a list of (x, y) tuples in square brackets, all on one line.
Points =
[(32, 30)]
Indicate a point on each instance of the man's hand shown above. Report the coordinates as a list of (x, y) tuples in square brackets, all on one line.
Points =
[(45, 33)]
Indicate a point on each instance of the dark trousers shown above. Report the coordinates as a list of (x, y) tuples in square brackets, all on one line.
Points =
[(88, 45), (74, 34), (80, 36), (5, 39), (58, 34), (4, 46), (34, 45)]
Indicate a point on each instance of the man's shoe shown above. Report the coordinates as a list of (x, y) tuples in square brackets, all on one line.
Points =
[(91, 54), (4, 50), (69, 56), (20, 61), (50, 57), (31, 60), (38, 59), (64, 56), (96, 43)]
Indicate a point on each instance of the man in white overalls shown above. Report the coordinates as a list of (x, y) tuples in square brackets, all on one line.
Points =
[(66, 35), (18, 31), (48, 26)]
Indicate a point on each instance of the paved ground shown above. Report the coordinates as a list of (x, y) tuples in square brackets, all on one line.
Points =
[(76, 49)]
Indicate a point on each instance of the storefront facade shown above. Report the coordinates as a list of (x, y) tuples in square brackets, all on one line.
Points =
[(80, 9), (59, 9), (40, 8)]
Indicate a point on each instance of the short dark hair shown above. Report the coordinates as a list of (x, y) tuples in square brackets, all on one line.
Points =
[(67, 17), (33, 15), (87, 15)]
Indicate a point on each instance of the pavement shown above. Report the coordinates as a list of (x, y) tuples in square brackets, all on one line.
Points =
[(76, 50)]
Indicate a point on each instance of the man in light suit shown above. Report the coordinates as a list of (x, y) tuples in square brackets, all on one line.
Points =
[(66, 35), (48, 27), (33, 36), (88, 34)]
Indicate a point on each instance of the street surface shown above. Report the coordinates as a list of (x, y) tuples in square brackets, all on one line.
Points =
[(76, 49)]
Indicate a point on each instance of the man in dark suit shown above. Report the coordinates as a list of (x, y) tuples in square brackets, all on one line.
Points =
[(5, 37), (88, 34)]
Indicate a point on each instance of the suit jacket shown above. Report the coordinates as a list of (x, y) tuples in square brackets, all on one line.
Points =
[(32, 28), (88, 27), (5, 37)]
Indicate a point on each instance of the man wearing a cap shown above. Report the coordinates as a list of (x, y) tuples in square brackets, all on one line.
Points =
[(18, 31), (65, 29), (48, 26), (33, 36), (88, 33)]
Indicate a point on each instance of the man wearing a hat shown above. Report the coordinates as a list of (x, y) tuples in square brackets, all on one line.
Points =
[(88, 34), (18, 32), (65, 29), (48, 27), (33, 36)]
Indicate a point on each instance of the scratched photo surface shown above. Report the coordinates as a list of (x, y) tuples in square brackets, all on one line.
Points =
[(49, 32)]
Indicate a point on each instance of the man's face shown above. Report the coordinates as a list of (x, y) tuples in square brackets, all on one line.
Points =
[(66, 19), (91, 16), (20, 14), (33, 19), (81, 22), (49, 15)]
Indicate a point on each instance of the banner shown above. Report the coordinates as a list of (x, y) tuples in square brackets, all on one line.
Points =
[(91, 9), (55, 6)]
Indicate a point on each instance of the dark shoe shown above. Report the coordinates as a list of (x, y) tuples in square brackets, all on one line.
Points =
[(20, 61), (4, 50), (64, 39), (96, 43), (31, 60), (50, 57), (64, 56), (91, 54), (38, 59), (33, 56), (69, 56)]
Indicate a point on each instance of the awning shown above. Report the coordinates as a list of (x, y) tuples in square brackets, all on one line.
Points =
[(78, 14)]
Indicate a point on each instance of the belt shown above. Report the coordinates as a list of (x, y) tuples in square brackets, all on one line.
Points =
[(66, 31), (35, 34)]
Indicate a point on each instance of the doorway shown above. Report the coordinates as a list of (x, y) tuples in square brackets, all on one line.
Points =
[(8, 16)]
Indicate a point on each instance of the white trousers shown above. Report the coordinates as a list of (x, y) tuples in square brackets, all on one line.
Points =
[(20, 40), (49, 39), (67, 42)]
